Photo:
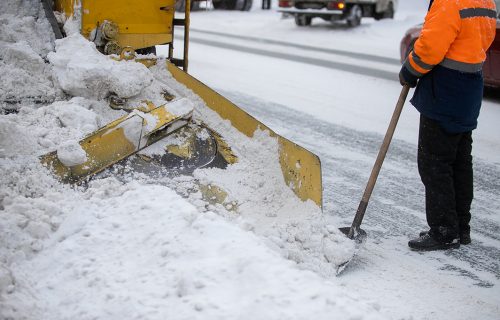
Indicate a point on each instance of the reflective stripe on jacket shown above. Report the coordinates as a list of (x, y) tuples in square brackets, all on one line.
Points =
[(456, 34)]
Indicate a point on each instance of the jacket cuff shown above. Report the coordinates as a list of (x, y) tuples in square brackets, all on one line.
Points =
[(409, 77)]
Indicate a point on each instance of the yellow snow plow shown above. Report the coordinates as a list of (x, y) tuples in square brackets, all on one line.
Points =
[(122, 27)]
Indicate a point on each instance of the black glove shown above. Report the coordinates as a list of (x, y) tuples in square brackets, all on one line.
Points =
[(407, 78)]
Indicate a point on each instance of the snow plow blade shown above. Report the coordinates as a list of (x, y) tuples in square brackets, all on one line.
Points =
[(301, 168), (120, 139)]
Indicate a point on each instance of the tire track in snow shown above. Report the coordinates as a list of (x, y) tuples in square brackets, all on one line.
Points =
[(357, 69), (350, 54)]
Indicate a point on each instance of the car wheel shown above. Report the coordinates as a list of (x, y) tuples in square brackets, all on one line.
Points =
[(302, 20), (242, 5), (389, 13), (217, 4), (354, 16), (225, 4), (195, 5), (247, 6), (377, 15)]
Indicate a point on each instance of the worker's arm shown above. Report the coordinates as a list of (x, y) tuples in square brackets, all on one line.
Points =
[(441, 27)]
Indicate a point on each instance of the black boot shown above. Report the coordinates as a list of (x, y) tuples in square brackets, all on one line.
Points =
[(429, 243), (464, 236)]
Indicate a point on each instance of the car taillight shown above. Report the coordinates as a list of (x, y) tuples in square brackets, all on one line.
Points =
[(285, 4), (335, 5)]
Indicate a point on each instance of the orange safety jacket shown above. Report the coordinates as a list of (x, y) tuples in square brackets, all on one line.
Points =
[(456, 35)]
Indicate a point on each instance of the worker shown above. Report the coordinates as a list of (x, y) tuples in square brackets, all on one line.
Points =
[(447, 61)]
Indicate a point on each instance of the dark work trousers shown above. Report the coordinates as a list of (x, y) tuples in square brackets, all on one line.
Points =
[(266, 4), (445, 167)]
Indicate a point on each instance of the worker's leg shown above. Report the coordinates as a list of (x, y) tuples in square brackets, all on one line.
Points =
[(464, 193), (436, 157)]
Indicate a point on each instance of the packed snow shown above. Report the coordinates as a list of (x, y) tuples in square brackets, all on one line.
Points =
[(134, 246)]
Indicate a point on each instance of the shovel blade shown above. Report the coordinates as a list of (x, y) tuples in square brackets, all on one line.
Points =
[(359, 240)]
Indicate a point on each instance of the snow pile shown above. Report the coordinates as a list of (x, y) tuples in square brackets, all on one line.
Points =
[(142, 251), (25, 21), (37, 131), (135, 249), (82, 71), (270, 208), (25, 39), (29, 211)]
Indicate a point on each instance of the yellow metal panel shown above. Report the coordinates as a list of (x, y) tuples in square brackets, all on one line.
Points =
[(301, 168), (141, 23), (162, 116), (138, 41), (104, 147)]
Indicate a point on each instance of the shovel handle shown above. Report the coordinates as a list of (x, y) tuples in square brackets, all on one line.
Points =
[(360, 213)]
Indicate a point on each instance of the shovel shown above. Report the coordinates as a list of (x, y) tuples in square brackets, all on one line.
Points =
[(355, 232)]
